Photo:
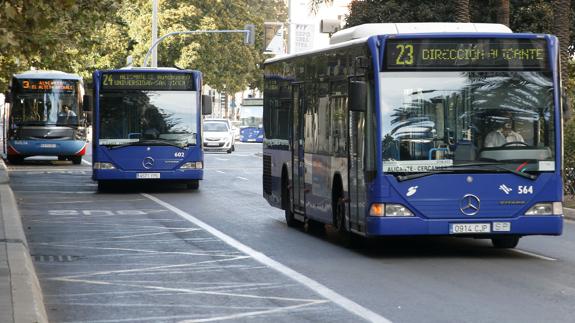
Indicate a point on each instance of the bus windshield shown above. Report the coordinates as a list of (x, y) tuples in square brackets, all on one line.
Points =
[(41, 108), (132, 117), (251, 116), (434, 119)]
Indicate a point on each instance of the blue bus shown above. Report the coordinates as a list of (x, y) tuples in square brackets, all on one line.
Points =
[(251, 117), (45, 116), (418, 129), (147, 126)]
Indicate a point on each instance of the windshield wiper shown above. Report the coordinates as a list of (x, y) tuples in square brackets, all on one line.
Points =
[(466, 167), (146, 142)]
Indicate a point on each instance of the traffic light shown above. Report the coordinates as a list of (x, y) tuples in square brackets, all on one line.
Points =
[(250, 38)]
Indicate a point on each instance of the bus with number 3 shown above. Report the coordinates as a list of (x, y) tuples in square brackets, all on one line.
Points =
[(418, 129), (147, 126)]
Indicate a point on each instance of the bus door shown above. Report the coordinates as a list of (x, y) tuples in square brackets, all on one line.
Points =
[(298, 162), (356, 179)]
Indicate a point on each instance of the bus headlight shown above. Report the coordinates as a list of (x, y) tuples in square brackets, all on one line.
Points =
[(192, 165), (382, 209), (100, 165), (549, 208)]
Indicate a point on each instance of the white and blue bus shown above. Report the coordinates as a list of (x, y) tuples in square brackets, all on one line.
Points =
[(418, 129), (251, 118), (147, 126), (45, 116)]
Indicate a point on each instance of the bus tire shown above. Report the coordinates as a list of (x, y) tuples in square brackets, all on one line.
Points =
[(76, 160), (61, 158), (103, 186), (505, 242), (315, 227), (291, 221), (15, 160), (193, 185), (349, 239)]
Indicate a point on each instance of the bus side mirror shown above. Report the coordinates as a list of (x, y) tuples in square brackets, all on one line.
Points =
[(206, 104), (87, 103), (7, 97), (357, 96)]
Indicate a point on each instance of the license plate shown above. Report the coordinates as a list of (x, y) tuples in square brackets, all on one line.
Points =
[(148, 175), (47, 145), (212, 144), (463, 228), (251, 140)]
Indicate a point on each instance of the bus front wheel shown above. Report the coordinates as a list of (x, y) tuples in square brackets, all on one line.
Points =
[(76, 160), (193, 185), (15, 160), (505, 242), (291, 221)]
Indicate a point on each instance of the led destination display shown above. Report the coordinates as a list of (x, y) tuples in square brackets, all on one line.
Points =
[(148, 81), (469, 54), (36, 85)]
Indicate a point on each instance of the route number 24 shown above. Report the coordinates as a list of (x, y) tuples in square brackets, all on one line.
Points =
[(405, 55)]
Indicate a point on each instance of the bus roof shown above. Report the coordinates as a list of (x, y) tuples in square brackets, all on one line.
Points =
[(360, 33), (47, 74), (149, 69), (366, 30)]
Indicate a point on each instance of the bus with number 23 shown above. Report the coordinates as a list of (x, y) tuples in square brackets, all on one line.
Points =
[(418, 129)]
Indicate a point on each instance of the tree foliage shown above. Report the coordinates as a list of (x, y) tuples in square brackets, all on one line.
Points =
[(82, 35)]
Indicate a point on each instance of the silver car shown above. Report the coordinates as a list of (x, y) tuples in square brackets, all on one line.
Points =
[(218, 135)]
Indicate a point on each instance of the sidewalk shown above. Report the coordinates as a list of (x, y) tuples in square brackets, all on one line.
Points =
[(20, 294)]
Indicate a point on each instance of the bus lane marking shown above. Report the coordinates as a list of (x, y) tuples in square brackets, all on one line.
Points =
[(242, 178), (313, 285), (527, 253)]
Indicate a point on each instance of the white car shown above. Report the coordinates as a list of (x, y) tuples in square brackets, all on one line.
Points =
[(218, 135)]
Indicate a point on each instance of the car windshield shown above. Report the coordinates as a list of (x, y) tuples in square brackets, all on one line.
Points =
[(215, 126), (438, 119), (131, 116)]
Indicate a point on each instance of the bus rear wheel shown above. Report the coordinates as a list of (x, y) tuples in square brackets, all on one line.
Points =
[(505, 242)]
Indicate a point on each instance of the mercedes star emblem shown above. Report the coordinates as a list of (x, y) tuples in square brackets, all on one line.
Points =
[(148, 162), (469, 204)]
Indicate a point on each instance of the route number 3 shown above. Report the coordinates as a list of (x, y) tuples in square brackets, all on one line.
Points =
[(405, 56), (525, 189)]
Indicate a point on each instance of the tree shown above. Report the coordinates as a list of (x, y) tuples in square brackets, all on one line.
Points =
[(503, 12), (561, 28)]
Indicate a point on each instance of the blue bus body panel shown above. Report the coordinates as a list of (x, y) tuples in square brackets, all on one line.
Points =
[(252, 134), (129, 161), (47, 147), (437, 201)]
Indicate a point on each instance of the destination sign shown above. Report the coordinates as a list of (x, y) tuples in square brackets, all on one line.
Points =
[(465, 54), (35, 85), (148, 81)]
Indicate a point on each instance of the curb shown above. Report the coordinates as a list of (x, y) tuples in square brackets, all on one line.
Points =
[(25, 291), (569, 214)]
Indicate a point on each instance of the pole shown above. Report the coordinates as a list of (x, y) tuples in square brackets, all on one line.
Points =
[(154, 32)]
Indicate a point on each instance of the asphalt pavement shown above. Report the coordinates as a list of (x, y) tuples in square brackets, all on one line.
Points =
[(21, 297)]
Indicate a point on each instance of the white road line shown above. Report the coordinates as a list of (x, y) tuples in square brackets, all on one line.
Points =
[(315, 286), (243, 178), (224, 159), (86, 162), (534, 255), (221, 172)]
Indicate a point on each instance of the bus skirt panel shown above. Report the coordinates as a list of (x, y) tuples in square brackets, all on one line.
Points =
[(173, 175), (522, 225)]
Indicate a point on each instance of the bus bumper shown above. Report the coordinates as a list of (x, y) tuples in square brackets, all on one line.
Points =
[(523, 225), (172, 175), (47, 147)]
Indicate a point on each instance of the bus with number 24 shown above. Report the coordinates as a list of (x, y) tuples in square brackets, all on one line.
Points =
[(147, 126), (418, 129)]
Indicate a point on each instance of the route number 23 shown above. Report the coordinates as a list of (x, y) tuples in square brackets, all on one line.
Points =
[(405, 55)]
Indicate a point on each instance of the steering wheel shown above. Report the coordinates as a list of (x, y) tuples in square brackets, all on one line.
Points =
[(515, 143)]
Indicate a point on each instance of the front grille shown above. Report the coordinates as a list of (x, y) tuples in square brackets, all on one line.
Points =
[(267, 174)]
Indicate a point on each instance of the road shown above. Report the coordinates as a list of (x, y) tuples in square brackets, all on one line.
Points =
[(167, 254)]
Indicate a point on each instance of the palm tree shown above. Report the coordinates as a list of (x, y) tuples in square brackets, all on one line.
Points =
[(462, 11), (561, 24)]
